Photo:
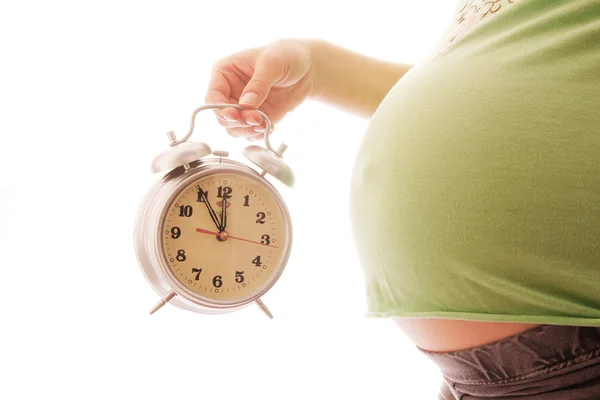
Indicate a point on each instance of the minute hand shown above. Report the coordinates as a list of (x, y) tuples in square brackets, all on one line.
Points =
[(212, 213), (224, 213)]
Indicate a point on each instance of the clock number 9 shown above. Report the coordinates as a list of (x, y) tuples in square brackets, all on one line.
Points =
[(175, 232)]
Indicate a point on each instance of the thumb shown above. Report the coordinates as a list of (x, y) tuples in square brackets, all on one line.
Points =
[(267, 71)]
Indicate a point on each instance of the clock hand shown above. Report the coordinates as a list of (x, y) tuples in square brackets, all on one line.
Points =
[(224, 213), (224, 236), (211, 212)]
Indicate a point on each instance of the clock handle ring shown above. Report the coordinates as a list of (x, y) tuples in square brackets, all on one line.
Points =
[(175, 142)]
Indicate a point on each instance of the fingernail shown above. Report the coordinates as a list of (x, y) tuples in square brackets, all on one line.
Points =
[(249, 98), (258, 129), (251, 121), (228, 117)]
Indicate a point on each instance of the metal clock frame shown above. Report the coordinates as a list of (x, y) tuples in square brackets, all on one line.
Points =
[(186, 164), (149, 238)]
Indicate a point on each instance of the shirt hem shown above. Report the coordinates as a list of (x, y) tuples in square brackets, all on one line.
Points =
[(481, 317)]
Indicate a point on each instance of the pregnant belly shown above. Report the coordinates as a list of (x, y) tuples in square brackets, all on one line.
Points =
[(442, 335), (476, 187), (488, 214)]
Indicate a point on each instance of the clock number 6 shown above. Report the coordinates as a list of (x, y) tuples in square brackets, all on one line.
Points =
[(217, 282)]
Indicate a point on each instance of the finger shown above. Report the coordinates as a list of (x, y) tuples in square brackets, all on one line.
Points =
[(251, 118), (219, 92), (229, 124), (245, 123), (243, 132), (268, 70), (272, 113), (231, 116), (261, 135), (219, 89)]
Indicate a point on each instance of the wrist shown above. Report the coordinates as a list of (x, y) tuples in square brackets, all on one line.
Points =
[(349, 80), (317, 76)]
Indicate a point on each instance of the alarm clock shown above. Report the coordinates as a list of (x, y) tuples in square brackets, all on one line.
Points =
[(213, 235)]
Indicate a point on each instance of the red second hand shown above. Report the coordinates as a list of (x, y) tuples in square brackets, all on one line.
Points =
[(199, 230)]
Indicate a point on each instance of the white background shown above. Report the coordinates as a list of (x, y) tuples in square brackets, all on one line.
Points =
[(87, 92)]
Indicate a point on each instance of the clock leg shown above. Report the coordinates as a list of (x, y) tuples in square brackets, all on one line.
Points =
[(264, 308), (162, 302)]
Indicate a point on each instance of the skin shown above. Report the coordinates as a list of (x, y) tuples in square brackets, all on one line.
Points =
[(285, 73)]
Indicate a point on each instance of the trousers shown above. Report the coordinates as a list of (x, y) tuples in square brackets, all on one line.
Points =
[(548, 362)]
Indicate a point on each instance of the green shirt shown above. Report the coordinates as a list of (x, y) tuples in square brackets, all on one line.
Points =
[(476, 190)]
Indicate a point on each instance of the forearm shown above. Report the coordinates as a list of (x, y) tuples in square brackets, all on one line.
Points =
[(351, 81)]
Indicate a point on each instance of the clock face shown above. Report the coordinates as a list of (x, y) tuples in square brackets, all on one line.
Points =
[(223, 236)]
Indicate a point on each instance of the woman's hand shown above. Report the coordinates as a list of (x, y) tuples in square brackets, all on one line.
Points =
[(275, 79)]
